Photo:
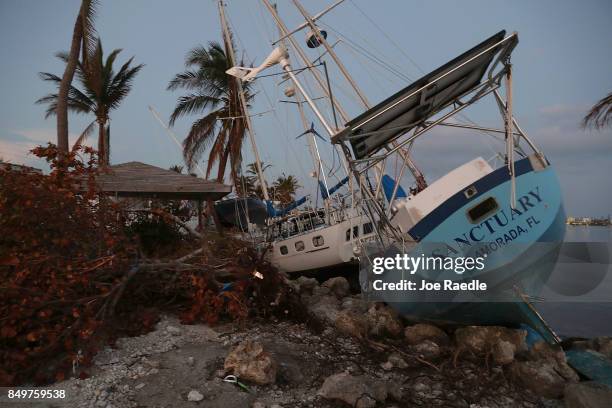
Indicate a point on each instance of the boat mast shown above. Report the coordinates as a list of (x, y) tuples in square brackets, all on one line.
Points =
[(286, 35), (417, 174), (173, 136), (247, 118), (314, 148)]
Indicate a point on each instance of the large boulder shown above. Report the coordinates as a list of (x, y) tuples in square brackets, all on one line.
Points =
[(546, 372), (420, 332), (351, 323), (482, 339), (324, 307), (357, 391), (338, 286), (249, 361), (355, 304), (304, 285), (588, 395), (503, 352), (383, 321)]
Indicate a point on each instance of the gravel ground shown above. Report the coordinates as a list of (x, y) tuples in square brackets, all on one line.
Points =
[(162, 368)]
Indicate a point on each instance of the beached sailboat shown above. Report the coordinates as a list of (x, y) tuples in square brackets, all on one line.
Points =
[(300, 240), (512, 215)]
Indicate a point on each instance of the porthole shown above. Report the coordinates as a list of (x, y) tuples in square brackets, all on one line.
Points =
[(299, 246), (367, 228), (483, 210), (348, 234), (318, 241), (284, 250), (470, 192)]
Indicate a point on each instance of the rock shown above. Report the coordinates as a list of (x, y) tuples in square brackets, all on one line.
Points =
[(503, 352), (190, 361), (603, 345), (588, 395), (355, 304), (397, 360), (546, 373), (175, 331), (249, 361), (540, 377), (357, 391), (324, 308), (387, 366), (542, 351), (419, 332), (194, 396), (258, 404), (383, 321), (427, 349), (305, 285), (481, 339), (276, 406), (338, 285), (139, 386), (351, 323)]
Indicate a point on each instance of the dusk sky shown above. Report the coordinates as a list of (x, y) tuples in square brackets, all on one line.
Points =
[(563, 65)]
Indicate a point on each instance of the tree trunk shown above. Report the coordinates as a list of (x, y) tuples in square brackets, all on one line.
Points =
[(102, 157), (107, 145), (64, 87)]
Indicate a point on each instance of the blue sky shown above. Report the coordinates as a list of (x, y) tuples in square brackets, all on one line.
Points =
[(563, 65)]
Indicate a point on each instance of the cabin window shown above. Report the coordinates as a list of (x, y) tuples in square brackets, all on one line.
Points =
[(284, 250), (318, 241), (299, 246), (483, 210), (356, 231), (367, 228), (348, 234)]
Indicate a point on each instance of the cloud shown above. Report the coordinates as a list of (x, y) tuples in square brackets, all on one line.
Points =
[(17, 152), (16, 145)]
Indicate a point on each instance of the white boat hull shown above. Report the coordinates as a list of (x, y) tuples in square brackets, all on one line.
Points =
[(320, 248)]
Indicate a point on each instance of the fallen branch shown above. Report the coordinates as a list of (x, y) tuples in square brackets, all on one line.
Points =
[(177, 220)]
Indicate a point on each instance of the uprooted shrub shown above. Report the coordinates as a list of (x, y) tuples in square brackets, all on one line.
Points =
[(67, 263)]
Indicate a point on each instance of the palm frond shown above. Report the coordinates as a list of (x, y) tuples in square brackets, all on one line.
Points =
[(84, 135), (199, 138), (88, 12), (192, 103), (600, 114)]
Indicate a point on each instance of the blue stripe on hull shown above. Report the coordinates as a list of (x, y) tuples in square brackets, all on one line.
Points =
[(522, 246)]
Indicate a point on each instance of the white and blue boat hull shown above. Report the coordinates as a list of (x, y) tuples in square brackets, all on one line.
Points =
[(520, 245)]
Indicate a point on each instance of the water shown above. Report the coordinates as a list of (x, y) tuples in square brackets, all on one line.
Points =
[(573, 319)]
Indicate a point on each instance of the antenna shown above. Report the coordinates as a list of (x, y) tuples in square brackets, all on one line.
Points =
[(173, 136)]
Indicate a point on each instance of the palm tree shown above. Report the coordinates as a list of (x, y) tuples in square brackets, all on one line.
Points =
[(102, 91), (600, 114), (215, 95), (284, 188), (249, 184), (82, 40)]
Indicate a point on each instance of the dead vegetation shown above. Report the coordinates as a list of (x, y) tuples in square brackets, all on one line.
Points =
[(73, 278)]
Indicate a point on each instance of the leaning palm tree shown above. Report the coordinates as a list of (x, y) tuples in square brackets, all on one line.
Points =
[(83, 39), (102, 90), (600, 114), (284, 188), (215, 96)]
